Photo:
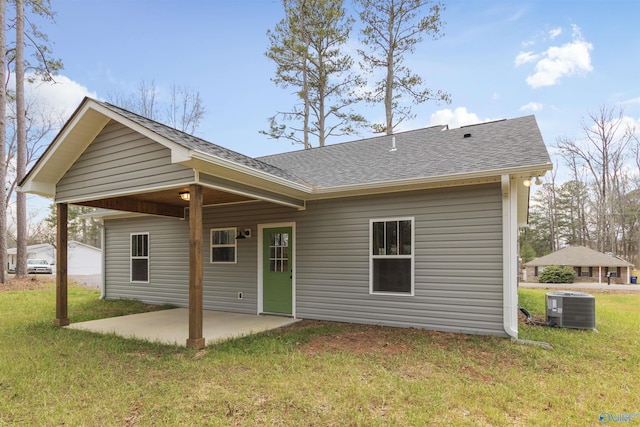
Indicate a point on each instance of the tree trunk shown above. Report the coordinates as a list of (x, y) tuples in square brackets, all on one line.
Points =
[(388, 90), (305, 74), (3, 150), (21, 157)]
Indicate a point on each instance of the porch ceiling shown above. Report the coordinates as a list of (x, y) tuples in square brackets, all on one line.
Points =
[(164, 202)]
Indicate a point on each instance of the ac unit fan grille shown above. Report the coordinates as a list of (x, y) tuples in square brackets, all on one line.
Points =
[(579, 313)]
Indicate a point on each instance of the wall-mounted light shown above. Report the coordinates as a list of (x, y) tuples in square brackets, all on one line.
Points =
[(538, 180), (243, 234), (527, 182), (185, 195)]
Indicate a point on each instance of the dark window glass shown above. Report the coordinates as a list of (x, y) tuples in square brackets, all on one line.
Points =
[(392, 275)]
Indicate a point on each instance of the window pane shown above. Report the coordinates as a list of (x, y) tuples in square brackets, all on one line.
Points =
[(392, 275), (405, 238), (140, 245), (378, 238), (140, 270), (284, 239), (224, 254), (391, 233)]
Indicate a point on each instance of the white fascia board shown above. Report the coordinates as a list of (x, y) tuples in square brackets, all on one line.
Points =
[(45, 189), (227, 164)]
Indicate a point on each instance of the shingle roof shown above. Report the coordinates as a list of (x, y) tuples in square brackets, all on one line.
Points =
[(429, 152), (423, 153), (578, 256)]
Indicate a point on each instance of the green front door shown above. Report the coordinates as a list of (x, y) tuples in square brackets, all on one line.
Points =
[(277, 267)]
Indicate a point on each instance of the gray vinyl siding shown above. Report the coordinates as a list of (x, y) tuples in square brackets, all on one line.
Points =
[(121, 158), (458, 259), (168, 260)]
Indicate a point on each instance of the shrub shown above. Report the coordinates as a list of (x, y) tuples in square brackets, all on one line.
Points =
[(557, 274)]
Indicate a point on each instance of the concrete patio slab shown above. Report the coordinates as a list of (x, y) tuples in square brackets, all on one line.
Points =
[(172, 326)]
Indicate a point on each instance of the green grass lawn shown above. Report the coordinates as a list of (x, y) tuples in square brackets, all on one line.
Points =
[(315, 373)]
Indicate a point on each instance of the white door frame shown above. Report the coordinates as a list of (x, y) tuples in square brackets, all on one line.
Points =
[(261, 228)]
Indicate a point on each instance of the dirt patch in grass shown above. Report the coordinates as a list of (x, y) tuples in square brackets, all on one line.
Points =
[(30, 283), (360, 339), (365, 342)]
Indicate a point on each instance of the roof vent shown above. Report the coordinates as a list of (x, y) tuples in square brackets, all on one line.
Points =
[(393, 144), (467, 135)]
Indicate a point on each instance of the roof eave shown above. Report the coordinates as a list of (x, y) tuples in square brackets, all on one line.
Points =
[(245, 170), (451, 180)]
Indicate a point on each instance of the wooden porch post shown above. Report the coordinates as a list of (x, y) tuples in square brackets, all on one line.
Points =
[(62, 318), (195, 340)]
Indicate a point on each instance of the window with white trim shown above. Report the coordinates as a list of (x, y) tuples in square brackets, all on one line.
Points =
[(140, 257), (391, 260), (585, 271), (223, 245)]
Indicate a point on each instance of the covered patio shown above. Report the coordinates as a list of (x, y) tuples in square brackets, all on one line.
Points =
[(158, 172), (168, 326)]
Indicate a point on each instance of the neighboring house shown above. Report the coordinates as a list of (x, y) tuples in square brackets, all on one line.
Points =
[(590, 265), (39, 251), (415, 230), (83, 259)]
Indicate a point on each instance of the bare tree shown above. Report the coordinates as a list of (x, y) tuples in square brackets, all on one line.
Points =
[(3, 139), (184, 109), (21, 156), (43, 67), (602, 153), (392, 29)]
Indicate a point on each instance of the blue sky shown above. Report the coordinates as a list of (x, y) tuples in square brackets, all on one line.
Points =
[(217, 48), (557, 59)]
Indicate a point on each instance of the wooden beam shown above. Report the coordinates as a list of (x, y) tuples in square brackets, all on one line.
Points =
[(128, 204), (195, 340), (62, 318)]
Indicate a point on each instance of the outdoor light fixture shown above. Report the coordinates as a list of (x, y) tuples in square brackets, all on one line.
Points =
[(538, 180), (243, 234), (185, 195), (527, 182)]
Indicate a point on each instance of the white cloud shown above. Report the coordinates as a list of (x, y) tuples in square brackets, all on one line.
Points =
[(532, 106), (455, 118), (558, 61), (631, 101), (525, 57), (555, 33), (63, 96)]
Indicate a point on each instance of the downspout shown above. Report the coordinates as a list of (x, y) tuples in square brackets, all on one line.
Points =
[(509, 256), (103, 262)]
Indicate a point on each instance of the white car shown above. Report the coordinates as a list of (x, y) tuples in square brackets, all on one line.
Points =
[(39, 266)]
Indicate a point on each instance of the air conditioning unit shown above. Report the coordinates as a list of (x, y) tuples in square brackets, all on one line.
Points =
[(571, 309)]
